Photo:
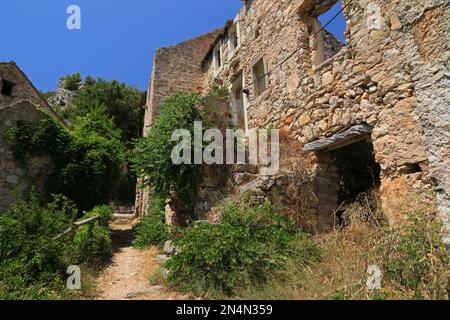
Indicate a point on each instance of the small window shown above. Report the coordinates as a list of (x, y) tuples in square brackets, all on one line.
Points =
[(259, 77), (233, 37), (248, 4), (7, 88), (217, 57)]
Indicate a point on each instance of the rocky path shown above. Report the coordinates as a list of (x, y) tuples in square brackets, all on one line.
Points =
[(127, 277)]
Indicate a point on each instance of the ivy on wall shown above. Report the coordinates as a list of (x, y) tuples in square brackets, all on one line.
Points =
[(88, 161)]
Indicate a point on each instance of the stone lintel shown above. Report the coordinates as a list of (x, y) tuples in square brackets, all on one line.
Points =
[(341, 139)]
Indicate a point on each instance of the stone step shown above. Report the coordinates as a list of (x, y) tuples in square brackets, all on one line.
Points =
[(119, 218)]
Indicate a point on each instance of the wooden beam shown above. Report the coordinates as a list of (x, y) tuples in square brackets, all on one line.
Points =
[(76, 225)]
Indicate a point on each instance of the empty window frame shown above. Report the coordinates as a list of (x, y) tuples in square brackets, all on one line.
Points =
[(217, 57), (260, 81), (233, 37), (7, 88)]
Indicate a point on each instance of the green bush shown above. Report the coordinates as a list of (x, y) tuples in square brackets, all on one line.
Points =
[(91, 244), (92, 156), (105, 214), (152, 229), (152, 159), (245, 249), (71, 82), (122, 104), (31, 262), (415, 260)]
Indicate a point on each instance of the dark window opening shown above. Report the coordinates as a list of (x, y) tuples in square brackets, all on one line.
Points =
[(7, 88), (259, 77), (411, 168), (358, 171), (233, 37), (217, 57)]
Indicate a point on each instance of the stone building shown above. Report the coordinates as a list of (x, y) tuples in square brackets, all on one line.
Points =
[(373, 113), (19, 101)]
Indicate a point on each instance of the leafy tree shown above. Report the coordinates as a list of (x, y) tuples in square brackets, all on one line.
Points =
[(96, 160), (71, 82), (152, 157), (122, 103), (88, 162)]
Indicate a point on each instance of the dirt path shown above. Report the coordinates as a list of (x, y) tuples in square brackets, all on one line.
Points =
[(127, 277)]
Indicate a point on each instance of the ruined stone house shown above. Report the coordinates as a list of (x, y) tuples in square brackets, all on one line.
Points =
[(19, 101), (374, 112)]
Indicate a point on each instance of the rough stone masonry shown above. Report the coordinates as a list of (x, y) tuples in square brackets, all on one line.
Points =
[(19, 101), (391, 77)]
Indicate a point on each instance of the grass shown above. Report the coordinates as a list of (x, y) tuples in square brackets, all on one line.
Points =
[(413, 260)]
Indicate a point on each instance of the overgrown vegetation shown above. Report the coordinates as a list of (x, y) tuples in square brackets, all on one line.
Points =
[(71, 82), (243, 250), (122, 104), (88, 161), (32, 264), (152, 229), (152, 158), (413, 260)]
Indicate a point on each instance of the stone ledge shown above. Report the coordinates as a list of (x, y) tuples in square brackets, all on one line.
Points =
[(353, 134)]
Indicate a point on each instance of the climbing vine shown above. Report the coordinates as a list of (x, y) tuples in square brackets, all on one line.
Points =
[(87, 161), (152, 158)]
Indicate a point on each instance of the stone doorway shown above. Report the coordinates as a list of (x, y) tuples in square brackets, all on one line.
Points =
[(357, 170), (346, 169)]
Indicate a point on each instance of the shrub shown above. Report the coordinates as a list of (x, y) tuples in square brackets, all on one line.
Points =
[(31, 262), (248, 246), (415, 260), (122, 104), (152, 160), (152, 229), (92, 156), (105, 214), (92, 242), (71, 82)]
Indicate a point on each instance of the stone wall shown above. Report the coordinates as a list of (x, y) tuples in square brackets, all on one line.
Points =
[(372, 80), (24, 104), (175, 69), (392, 75)]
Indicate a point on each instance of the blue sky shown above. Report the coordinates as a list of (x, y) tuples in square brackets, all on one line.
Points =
[(117, 39)]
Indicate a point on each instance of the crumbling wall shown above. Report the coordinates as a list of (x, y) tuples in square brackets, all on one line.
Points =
[(175, 69), (392, 75), (427, 48), (24, 104), (372, 80)]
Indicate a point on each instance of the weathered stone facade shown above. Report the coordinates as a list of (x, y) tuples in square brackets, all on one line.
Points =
[(19, 101), (172, 64), (392, 75)]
